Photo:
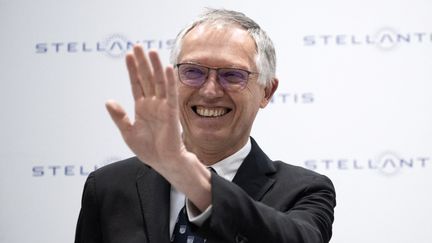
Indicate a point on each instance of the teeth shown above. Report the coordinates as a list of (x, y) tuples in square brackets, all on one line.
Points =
[(211, 112)]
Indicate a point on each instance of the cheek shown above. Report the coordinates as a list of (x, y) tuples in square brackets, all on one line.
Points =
[(249, 103), (256, 96), (184, 94)]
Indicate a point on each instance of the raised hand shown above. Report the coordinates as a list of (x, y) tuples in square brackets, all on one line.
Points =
[(155, 135)]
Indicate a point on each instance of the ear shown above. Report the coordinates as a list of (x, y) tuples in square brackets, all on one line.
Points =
[(269, 90)]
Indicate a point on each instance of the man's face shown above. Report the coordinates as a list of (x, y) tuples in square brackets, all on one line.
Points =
[(212, 117)]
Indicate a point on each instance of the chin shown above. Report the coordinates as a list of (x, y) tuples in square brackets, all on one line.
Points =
[(209, 136)]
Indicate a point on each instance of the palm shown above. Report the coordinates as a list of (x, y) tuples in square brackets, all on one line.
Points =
[(154, 135), (156, 128)]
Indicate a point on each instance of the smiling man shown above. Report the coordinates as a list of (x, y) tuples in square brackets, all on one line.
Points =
[(203, 179)]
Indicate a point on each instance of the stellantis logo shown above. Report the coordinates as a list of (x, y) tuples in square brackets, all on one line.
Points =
[(386, 38), (387, 163), (69, 170), (295, 98), (114, 45)]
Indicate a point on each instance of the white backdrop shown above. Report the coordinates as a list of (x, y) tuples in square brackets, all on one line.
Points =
[(354, 103)]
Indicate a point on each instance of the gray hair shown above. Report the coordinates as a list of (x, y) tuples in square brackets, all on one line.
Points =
[(265, 58)]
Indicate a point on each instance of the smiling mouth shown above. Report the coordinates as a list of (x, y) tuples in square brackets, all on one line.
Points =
[(210, 112)]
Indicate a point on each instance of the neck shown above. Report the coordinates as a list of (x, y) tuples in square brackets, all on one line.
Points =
[(211, 152)]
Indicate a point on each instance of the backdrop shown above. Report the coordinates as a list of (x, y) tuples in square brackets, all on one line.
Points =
[(354, 103)]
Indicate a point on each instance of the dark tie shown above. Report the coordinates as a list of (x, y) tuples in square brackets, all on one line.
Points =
[(182, 232)]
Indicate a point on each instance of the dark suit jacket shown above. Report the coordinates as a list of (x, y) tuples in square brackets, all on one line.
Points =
[(268, 201)]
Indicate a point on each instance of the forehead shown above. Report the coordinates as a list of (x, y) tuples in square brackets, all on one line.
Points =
[(219, 44)]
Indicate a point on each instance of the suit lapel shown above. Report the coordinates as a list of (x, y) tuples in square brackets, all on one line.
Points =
[(254, 175), (154, 193)]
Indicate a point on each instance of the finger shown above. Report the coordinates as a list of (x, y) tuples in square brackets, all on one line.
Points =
[(144, 70), (158, 75), (119, 116), (171, 91), (137, 91)]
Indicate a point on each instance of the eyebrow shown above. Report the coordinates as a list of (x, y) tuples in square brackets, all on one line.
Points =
[(234, 66)]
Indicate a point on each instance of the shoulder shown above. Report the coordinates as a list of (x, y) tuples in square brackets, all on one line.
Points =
[(297, 176), (118, 173), (122, 167), (284, 173), (293, 170)]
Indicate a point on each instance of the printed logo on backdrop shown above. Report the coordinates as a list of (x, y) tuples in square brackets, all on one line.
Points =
[(386, 38), (294, 98), (46, 169), (117, 45), (113, 45), (386, 163)]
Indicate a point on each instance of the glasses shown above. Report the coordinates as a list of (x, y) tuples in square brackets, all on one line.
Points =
[(195, 75)]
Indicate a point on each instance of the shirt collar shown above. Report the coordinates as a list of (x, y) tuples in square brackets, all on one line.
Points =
[(227, 168)]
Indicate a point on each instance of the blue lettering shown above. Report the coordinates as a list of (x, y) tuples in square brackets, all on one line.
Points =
[(354, 40), (116, 43), (403, 38), (57, 46), (310, 164), (69, 170), (420, 36), (389, 162), (170, 43), (423, 161), (356, 166), (41, 48), (409, 163), (71, 47), (84, 47), (295, 96), (325, 38), (117, 46), (327, 163), (342, 164), (308, 98), (54, 169), (386, 36), (340, 39), (284, 97), (368, 40), (372, 164), (38, 171), (99, 47), (149, 43), (57, 170), (129, 45)]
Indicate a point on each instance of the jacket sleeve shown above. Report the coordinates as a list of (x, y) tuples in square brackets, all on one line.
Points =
[(88, 227), (303, 214)]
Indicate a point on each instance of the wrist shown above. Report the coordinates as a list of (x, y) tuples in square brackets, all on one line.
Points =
[(188, 175)]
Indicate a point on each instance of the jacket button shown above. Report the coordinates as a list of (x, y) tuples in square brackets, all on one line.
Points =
[(241, 239)]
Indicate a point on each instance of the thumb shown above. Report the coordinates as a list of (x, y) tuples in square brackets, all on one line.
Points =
[(118, 115)]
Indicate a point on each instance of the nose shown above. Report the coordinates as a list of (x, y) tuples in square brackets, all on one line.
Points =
[(211, 88)]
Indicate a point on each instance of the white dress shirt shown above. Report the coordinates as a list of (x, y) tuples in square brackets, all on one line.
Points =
[(226, 168)]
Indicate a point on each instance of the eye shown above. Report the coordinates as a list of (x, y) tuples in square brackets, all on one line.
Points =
[(192, 72), (233, 75)]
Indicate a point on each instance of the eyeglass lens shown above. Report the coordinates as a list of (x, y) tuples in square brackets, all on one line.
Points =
[(196, 75)]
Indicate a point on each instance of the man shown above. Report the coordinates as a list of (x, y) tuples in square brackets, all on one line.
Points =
[(204, 180)]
